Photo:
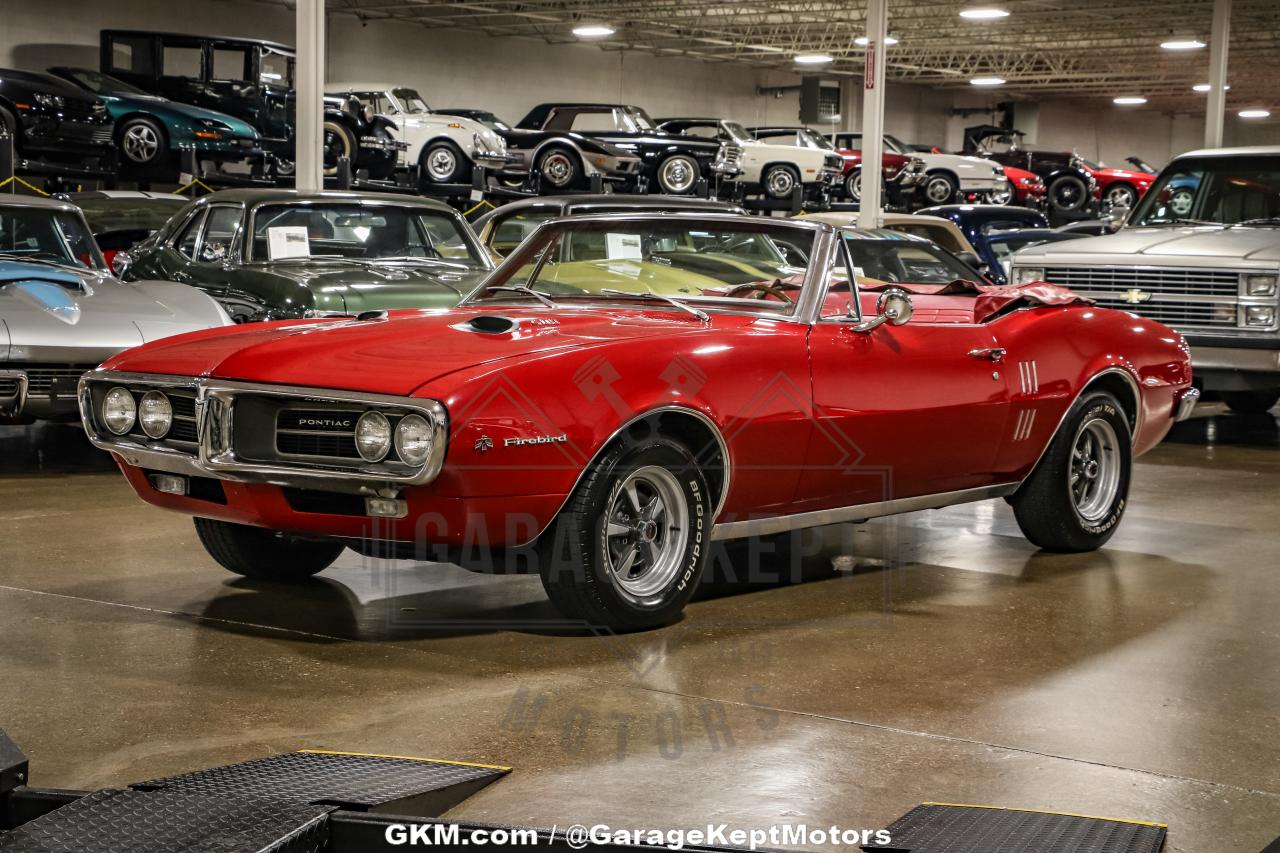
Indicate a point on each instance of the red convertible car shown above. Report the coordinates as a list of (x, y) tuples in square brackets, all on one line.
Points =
[(626, 388)]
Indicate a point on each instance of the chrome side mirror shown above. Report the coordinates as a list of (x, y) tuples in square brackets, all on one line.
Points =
[(894, 307), (1116, 216), (120, 264)]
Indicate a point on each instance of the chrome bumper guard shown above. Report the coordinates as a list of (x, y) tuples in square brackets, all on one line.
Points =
[(1186, 404), (13, 392), (215, 455)]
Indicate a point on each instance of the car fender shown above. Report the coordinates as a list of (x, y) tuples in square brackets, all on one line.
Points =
[(184, 300)]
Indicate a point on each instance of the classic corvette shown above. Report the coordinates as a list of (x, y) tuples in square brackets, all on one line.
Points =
[(268, 254), (570, 420), (150, 131), (62, 313)]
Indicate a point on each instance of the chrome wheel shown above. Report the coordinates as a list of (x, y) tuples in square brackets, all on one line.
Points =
[(939, 190), (1120, 196), (1004, 195), (1095, 469), (558, 169), (853, 186), (677, 175), (140, 142), (645, 533), (780, 182), (442, 163)]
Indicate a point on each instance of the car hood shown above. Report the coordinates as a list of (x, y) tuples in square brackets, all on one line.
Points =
[(92, 313), (398, 354), (1208, 242), (356, 287)]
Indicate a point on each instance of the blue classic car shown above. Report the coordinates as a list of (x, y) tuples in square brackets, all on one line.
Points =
[(150, 130), (997, 231)]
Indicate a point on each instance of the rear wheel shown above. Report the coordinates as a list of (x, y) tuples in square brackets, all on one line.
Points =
[(1077, 494), (339, 141), (1068, 193), (1251, 402), (628, 549), (264, 554)]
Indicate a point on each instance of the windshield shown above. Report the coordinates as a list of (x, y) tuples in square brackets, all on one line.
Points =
[(639, 118), (55, 236), (736, 132), (897, 146), (361, 232), (730, 264), (906, 262), (410, 101), (277, 69), (807, 138), (102, 84), (115, 214), (1213, 190)]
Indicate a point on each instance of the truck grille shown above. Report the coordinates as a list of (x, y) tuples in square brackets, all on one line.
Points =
[(1181, 298)]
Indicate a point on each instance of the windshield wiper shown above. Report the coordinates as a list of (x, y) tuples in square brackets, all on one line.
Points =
[(31, 259), (524, 291), (662, 297)]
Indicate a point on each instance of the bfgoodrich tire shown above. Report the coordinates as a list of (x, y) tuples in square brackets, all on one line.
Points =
[(264, 554), (628, 549), (1077, 494)]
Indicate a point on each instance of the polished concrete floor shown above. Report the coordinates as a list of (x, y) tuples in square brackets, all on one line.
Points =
[(933, 657)]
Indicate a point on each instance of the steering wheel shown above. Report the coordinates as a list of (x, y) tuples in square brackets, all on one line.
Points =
[(775, 290)]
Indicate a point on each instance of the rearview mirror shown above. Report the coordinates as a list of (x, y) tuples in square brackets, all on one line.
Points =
[(893, 307)]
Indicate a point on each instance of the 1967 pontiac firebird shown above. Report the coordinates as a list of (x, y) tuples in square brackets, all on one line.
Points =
[(627, 388)]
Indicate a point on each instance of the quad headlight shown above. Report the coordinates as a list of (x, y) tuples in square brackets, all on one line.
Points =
[(1026, 275), (414, 438), (373, 436), (1260, 285), (1260, 315), (119, 411), (155, 414)]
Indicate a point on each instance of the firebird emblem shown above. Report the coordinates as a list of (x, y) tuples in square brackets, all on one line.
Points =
[(484, 444), (1136, 297)]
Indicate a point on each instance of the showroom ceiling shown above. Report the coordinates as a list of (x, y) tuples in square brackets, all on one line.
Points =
[(1078, 48)]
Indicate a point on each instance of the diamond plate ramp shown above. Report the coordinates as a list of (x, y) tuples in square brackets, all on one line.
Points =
[(167, 821), (945, 828), (409, 786)]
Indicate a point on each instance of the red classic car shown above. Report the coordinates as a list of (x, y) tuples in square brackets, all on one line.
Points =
[(1120, 187), (626, 388), (1022, 189)]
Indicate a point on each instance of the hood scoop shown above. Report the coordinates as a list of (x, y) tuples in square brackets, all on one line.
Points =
[(496, 324)]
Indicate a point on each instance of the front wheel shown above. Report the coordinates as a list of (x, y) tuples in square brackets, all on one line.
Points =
[(559, 168), (1003, 194), (142, 142), (1251, 402), (628, 549), (779, 180), (338, 141), (853, 185), (1120, 195), (1077, 494), (940, 188), (678, 174), (264, 554), (444, 163)]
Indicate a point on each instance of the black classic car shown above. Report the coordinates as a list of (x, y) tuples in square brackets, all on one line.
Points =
[(669, 163), (1071, 187), (272, 254), (559, 159), (252, 80), (53, 122)]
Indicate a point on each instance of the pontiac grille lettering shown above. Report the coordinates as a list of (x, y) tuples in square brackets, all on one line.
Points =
[(325, 423)]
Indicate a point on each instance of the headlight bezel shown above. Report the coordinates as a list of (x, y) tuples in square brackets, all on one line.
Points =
[(1027, 275), (1269, 284)]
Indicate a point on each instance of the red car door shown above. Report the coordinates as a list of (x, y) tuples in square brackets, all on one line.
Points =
[(904, 410)]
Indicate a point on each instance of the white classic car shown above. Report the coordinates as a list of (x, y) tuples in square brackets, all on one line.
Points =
[(1199, 252), (446, 148), (773, 168), (947, 174)]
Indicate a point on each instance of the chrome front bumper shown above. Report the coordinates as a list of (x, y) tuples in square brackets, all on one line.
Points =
[(1186, 404), (13, 392)]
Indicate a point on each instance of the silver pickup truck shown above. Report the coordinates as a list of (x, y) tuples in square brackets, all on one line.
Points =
[(1199, 252)]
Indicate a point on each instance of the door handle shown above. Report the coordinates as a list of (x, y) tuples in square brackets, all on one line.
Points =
[(989, 353)]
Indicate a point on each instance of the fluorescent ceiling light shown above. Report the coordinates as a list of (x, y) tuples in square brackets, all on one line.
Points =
[(1182, 44), (987, 81), (1129, 100), (593, 31), (1254, 113), (813, 58), (984, 13), (1204, 87), (862, 40)]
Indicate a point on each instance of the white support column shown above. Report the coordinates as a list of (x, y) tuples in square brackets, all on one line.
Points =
[(873, 114), (309, 85), (1216, 106)]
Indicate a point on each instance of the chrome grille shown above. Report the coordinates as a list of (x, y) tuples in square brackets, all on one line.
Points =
[(41, 377), (325, 433), (1181, 298), (1121, 279)]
